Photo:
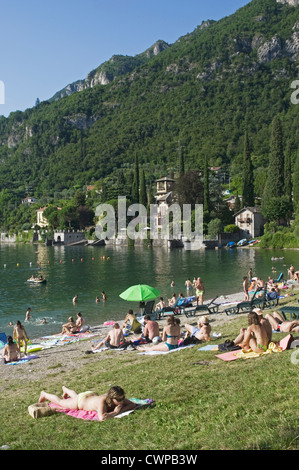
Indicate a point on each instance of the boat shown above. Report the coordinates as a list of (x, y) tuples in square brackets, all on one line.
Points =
[(231, 245), (37, 281), (242, 242), (253, 242)]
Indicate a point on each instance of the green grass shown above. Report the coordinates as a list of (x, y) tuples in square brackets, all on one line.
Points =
[(245, 404)]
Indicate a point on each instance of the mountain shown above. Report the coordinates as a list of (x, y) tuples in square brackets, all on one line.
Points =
[(117, 66), (199, 94)]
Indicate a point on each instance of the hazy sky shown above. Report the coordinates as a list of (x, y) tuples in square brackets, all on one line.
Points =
[(45, 45)]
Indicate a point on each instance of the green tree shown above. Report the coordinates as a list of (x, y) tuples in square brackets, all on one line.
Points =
[(295, 180), (288, 172), (142, 194), (206, 194), (248, 184), (135, 186), (181, 161), (274, 187)]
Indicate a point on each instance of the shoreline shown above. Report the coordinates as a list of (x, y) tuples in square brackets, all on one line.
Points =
[(71, 356)]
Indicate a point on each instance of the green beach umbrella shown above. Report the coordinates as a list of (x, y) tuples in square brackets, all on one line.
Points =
[(140, 293)]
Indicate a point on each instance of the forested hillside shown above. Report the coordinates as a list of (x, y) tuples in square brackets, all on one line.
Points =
[(200, 95)]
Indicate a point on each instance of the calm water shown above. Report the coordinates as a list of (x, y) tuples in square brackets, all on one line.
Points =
[(82, 271)]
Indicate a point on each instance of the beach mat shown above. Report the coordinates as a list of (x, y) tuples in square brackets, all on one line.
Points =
[(93, 415), (209, 347), (156, 353), (22, 361)]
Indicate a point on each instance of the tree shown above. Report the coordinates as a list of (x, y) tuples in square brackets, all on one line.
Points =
[(181, 162), (189, 189), (206, 195), (248, 184), (296, 182), (142, 194), (135, 186), (288, 172), (274, 187)]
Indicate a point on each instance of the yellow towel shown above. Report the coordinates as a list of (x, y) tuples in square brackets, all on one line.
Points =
[(272, 347)]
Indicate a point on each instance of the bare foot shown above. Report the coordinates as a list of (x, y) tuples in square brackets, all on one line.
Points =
[(41, 397)]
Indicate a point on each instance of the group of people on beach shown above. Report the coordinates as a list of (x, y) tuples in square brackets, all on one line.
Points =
[(256, 336)]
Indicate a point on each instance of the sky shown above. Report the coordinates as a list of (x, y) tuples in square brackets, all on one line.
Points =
[(47, 44)]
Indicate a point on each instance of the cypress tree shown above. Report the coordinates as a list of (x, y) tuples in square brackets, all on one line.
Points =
[(275, 185), (288, 173), (142, 194), (296, 182), (181, 163), (135, 186), (206, 193), (248, 184)]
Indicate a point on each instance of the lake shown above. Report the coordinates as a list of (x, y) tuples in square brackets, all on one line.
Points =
[(87, 271)]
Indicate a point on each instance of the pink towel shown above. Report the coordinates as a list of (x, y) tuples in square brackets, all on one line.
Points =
[(93, 415), (89, 415)]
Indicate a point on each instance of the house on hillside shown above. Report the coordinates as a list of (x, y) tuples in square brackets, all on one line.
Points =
[(163, 198), (41, 219), (29, 200), (250, 221)]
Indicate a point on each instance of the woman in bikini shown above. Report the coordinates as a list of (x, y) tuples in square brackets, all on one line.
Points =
[(11, 351), (107, 406), (170, 337)]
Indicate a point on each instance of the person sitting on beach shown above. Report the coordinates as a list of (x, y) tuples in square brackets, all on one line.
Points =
[(263, 321), (131, 323), (20, 334), (151, 330), (113, 340), (278, 323), (79, 321), (181, 299), (202, 331), (69, 327), (172, 300), (11, 351), (273, 294), (160, 305), (170, 337), (107, 406), (255, 337), (291, 272)]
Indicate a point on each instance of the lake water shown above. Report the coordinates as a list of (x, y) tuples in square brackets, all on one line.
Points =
[(84, 271)]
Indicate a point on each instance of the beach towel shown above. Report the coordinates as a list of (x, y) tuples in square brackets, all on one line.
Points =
[(209, 347), (22, 361), (93, 415), (155, 353)]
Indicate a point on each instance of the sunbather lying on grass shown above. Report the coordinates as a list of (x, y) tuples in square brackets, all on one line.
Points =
[(107, 406)]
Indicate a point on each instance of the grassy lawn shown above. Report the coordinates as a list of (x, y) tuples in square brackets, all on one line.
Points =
[(201, 402)]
